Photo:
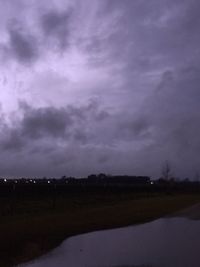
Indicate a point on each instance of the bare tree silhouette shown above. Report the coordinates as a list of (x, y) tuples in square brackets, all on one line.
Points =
[(166, 170)]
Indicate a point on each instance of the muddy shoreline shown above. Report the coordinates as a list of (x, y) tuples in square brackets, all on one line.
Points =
[(192, 212)]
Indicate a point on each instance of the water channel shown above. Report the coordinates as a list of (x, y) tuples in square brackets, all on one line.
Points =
[(171, 242)]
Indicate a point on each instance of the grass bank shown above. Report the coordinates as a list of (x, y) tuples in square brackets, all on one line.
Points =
[(36, 226)]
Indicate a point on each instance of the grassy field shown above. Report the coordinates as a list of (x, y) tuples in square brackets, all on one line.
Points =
[(34, 226)]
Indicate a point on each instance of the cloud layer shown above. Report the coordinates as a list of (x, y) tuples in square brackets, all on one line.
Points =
[(100, 86)]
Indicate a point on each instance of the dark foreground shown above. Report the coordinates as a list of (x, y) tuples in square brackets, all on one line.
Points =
[(32, 226)]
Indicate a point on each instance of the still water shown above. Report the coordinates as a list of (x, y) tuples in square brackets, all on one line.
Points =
[(173, 242)]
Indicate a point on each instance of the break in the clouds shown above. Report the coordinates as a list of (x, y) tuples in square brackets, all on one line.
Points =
[(99, 86)]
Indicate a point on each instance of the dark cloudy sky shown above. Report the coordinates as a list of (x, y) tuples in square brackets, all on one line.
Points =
[(99, 86)]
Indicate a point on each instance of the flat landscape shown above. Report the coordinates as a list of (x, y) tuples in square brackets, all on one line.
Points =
[(36, 225)]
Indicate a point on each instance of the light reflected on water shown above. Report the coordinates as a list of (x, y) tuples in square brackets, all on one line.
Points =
[(162, 243)]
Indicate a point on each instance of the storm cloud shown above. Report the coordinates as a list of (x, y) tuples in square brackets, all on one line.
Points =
[(56, 26), (100, 86)]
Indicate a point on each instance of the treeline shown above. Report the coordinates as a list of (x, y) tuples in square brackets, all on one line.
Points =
[(100, 183), (22, 196)]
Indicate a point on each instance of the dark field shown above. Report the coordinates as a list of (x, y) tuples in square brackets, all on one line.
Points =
[(32, 223)]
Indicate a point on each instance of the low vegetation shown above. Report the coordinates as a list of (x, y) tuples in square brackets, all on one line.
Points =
[(32, 226)]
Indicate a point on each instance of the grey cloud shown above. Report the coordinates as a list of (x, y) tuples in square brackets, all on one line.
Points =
[(13, 141), (37, 125), (134, 128), (151, 35), (56, 25), (45, 122), (50, 141), (22, 45), (88, 125), (172, 112), (148, 56), (29, 37)]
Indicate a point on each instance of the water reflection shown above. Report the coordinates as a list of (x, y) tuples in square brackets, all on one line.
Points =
[(162, 243)]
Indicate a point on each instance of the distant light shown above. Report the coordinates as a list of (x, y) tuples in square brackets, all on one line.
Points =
[(16, 182), (31, 180), (152, 182), (5, 180), (34, 182), (49, 182)]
